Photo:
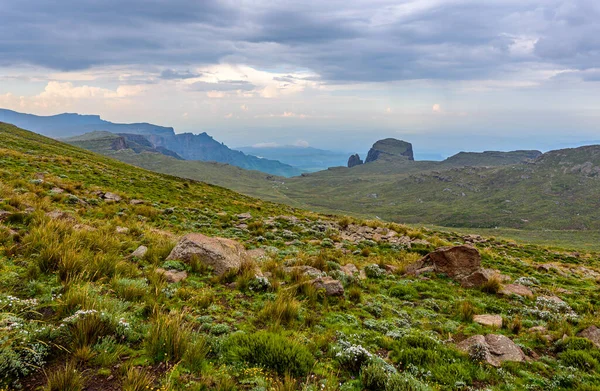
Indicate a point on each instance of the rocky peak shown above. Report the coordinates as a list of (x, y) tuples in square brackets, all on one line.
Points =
[(390, 147), (354, 160)]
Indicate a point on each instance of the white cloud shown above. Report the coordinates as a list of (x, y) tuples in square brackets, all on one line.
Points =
[(436, 108), (301, 143), (244, 107)]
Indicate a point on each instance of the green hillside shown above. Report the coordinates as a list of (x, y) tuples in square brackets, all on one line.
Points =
[(84, 306)]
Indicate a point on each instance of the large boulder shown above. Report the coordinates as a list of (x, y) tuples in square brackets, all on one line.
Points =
[(593, 334), (461, 263), (221, 254), (492, 348)]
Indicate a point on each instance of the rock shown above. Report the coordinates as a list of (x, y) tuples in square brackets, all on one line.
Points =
[(60, 215), (391, 269), (354, 160), (516, 289), (4, 215), (83, 227), (554, 300), (332, 287), (474, 239), (349, 269), (221, 254), (244, 216), (121, 230), (139, 252), (108, 196), (593, 334), (488, 320), (390, 148), (137, 202), (461, 263), (478, 278), (56, 190), (304, 269), (172, 276), (492, 348)]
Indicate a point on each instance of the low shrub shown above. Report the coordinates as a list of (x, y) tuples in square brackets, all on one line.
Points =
[(168, 337), (373, 377), (196, 352), (579, 359), (271, 351), (404, 292), (64, 378)]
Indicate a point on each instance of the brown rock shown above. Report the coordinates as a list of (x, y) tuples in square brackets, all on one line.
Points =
[(56, 190), (121, 230), (244, 216), (4, 215), (349, 269), (60, 215), (593, 334), (108, 196), (478, 278), (332, 287), (219, 253), (257, 253), (538, 329), (457, 261), (391, 269), (137, 202), (516, 289), (492, 348), (140, 252), (488, 320), (172, 276)]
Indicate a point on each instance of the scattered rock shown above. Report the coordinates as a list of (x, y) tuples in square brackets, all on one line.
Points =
[(4, 215), (111, 197), (516, 289), (391, 269), (332, 287), (244, 216), (221, 254), (478, 278), (474, 239), (137, 202), (83, 227), (172, 276), (538, 329), (488, 320), (492, 348), (593, 334), (121, 230), (56, 190), (139, 252), (257, 253)]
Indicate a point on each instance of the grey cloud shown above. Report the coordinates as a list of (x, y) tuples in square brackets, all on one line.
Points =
[(223, 86), (342, 41), (170, 74)]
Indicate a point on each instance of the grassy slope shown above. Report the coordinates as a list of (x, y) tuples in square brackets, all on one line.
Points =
[(80, 263)]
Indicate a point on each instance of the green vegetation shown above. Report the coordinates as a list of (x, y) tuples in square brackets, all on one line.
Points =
[(77, 309)]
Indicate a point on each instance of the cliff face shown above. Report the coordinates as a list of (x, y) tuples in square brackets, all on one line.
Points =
[(389, 148)]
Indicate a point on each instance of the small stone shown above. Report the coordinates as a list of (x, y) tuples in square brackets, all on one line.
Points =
[(139, 252), (108, 196), (304, 269), (349, 269), (56, 190), (244, 216), (538, 329), (60, 215), (121, 230), (488, 320), (137, 202), (4, 215), (391, 269)]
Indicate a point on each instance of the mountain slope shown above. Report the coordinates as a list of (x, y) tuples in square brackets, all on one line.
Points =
[(90, 297), (189, 146)]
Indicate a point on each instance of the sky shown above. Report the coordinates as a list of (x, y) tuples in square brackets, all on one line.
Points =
[(446, 75)]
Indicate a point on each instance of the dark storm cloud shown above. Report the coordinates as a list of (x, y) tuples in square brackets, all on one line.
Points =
[(342, 41)]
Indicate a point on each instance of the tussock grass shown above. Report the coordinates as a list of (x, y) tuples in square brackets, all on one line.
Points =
[(168, 337), (64, 378)]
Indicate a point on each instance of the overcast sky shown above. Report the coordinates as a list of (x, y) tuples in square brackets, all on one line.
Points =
[(447, 75)]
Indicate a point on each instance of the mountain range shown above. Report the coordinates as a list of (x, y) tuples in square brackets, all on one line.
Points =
[(162, 139)]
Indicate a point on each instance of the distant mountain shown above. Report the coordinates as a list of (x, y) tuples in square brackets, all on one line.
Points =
[(306, 158), (187, 145)]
